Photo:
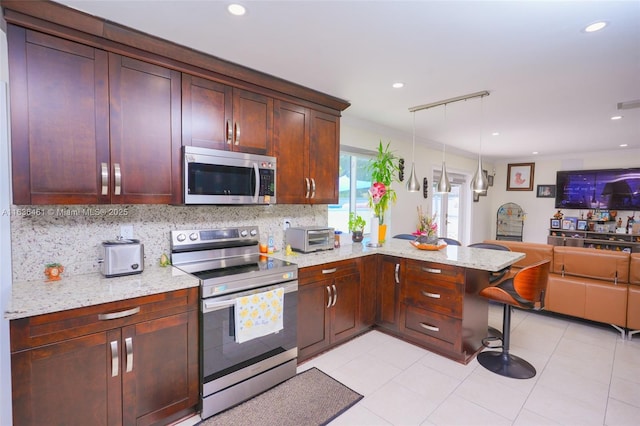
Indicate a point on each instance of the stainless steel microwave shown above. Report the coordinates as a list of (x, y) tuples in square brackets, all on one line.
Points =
[(223, 177)]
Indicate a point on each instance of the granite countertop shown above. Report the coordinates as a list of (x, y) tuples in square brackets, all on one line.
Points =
[(29, 298), (475, 258), (38, 297)]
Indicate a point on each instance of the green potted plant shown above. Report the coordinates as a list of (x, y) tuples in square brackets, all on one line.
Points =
[(384, 171), (356, 226)]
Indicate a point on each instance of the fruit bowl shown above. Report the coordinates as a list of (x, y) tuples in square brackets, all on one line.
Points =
[(425, 246)]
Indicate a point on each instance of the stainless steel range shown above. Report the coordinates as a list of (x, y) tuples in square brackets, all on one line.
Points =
[(248, 315)]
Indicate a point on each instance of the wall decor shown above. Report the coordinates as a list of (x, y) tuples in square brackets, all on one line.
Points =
[(520, 176), (569, 223), (546, 191), (555, 224), (476, 196), (425, 187), (582, 225)]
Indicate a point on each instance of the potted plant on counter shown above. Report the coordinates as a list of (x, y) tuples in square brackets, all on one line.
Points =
[(384, 170), (356, 226)]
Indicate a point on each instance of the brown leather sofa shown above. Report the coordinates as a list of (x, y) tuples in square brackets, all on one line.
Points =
[(633, 302), (587, 283)]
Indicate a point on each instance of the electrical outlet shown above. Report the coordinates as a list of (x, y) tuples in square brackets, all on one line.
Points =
[(286, 223), (126, 232)]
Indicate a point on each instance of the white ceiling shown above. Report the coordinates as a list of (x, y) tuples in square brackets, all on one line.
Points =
[(553, 87)]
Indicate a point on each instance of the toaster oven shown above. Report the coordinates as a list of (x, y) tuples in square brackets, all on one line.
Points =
[(311, 238)]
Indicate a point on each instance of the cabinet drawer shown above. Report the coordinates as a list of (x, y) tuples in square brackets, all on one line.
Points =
[(431, 327), (329, 270), (435, 295), (426, 271), (49, 328)]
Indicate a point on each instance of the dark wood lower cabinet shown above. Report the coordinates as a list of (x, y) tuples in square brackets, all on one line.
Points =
[(329, 306), (72, 368), (388, 291)]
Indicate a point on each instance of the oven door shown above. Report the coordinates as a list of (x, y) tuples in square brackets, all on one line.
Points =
[(225, 362)]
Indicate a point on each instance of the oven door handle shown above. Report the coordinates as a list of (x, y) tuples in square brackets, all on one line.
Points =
[(215, 303)]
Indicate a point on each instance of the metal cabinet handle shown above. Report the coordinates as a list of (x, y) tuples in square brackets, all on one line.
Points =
[(237, 133), (432, 270), (396, 273), (128, 345), (229, 132), (431, 295), (306, 195), (429, 327), (118, 175), (105, 178), (329, 271), (329, 297), (313, 188), (114, 359), (335, 295), (121, 314)]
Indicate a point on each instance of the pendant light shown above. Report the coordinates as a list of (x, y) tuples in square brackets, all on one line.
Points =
[(412, 184), (444, 184), (480, 183)]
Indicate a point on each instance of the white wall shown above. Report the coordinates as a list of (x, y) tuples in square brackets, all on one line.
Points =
[(540, 210), (5, 240)]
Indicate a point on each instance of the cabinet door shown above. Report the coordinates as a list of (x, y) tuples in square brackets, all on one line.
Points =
[(206, 113), (345, 308), (313, 321), (291, 147), (252, 122), (388, 291), (145, 132), (324, 157), (59, 119), (73, 382), (160, 368)]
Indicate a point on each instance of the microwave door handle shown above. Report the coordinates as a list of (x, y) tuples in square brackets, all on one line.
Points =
[(256, 170)]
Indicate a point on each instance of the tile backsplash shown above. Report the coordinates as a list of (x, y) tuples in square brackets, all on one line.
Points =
[(71, 235)]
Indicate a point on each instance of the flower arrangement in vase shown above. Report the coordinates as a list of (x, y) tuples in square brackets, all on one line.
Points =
[(427, 230), (383, 169)]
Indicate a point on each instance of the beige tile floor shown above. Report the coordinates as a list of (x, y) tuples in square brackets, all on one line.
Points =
[(587, 375)]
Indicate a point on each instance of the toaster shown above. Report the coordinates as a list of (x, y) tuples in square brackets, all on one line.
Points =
[(311, 238), (121, 257)]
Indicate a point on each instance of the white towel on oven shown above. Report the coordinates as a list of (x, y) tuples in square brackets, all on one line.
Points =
[(259, 314)]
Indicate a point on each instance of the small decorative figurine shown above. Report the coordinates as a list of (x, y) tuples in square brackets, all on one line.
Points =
[(164, 260), (53, 271), (558, 215)]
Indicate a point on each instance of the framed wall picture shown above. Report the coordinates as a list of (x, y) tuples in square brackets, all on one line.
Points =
[(569, 223), (520, 176), (582, 225), (555, 224), (546, 191), (476, 196)]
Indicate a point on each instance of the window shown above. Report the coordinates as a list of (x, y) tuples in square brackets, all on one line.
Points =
[(447, 207), (354, 186)]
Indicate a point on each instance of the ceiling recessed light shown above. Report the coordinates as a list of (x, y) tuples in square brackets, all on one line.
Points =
[(535, 152), (236, 9), (398, 85), (596, 26), (616, 117), (623, 145), (495, 134)]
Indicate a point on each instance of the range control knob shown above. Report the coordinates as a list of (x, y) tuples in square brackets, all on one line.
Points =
[(181, 237), (244, 233), (254, 232), (193, 236)]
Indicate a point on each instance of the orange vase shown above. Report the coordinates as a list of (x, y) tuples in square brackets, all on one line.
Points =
[(382, 233)]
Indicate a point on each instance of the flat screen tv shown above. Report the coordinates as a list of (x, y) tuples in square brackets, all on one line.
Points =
[(615, 189)]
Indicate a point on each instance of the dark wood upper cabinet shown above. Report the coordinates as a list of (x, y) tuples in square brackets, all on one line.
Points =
[(91, 127), (218, 116), (307, 145), (59, 119), (145, 132)]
